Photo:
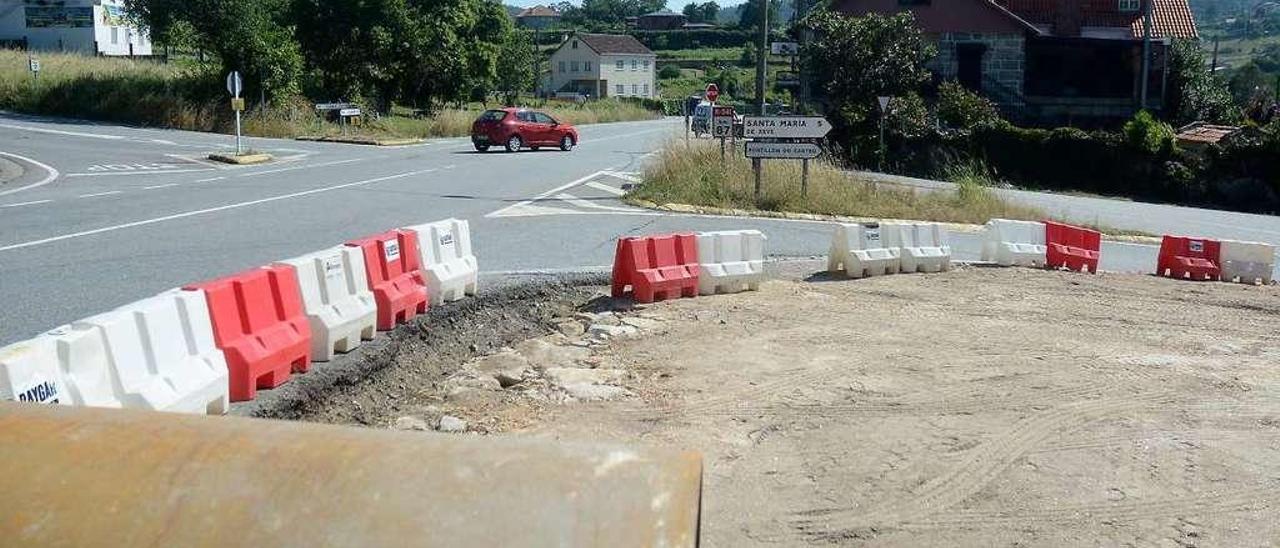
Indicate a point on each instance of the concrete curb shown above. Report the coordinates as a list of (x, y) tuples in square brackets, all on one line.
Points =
[(362, 141), (727, 212), (245, 160)]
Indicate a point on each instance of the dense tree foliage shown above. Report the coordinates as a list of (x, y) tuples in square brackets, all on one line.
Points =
[(605, 14), (706, 12), (1195, 94), (749, 16), (416, 52)]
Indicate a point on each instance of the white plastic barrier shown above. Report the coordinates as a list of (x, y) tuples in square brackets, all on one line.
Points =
[(1009, 243), (340, 306), (863, 250), (730, 261), (29, 372), (1247, 262), (155, 354), (924, 246), (451, 268)]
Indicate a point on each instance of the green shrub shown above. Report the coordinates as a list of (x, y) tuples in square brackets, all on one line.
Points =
[(963, 109), (669, 72), (1148, 134)]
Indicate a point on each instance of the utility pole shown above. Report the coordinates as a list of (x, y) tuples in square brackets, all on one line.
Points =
[(1146, 50), (762, 60), (1214, 67)]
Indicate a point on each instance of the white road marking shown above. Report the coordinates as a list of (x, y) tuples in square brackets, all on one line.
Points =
[(61, 132), (308, 166), (588, 203), (20, 204), (611, 190), (108, 193), (52, 174), (164, 142), (196, 161), (139, 172), (556, 190), (209, 180), (625, 176), (159, 186), (237, 205)]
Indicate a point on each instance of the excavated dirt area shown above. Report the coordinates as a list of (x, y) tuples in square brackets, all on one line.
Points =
[(979, 407)]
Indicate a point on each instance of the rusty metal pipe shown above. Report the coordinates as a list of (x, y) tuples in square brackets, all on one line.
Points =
[(78, 476)]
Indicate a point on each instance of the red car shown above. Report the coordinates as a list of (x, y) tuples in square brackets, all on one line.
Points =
[(517, 128)]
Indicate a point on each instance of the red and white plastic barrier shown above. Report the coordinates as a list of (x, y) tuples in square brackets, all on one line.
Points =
[(450, 267)]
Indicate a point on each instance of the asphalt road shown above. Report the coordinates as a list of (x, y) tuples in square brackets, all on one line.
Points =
[(106, 215)]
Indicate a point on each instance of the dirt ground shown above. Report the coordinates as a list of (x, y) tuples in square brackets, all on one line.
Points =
[(980, 407)]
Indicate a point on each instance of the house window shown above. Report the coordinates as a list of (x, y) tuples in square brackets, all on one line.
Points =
[(646, 65), (115, 35), (586, 65), (573, 66), (621, 90), (621, 65), (575, 44), (633, 64), (1130, 5), (561, 66), (646, 90), (635, 89)]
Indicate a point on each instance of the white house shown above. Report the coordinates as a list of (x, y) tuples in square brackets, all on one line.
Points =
[(96, 27), (604, 65)]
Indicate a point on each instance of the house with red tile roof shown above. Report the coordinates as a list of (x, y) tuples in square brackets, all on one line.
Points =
[(1050, 61)]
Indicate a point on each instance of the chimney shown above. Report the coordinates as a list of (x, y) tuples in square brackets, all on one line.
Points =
[(1067, 18)]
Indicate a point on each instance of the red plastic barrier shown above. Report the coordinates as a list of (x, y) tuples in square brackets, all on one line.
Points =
[(392, 263), (260, 324), (1194, 258), (660, 267), (1072, 247)]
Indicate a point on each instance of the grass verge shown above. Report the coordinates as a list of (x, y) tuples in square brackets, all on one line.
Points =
[(190, 97), (695, 176)]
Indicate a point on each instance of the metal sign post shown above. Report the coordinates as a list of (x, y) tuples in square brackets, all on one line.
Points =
[(722, 119), (884, 113), (34, 65), (235, 85)]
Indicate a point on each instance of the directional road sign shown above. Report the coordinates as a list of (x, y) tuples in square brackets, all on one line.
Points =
[(785, 127), (784, 48), (789, 151), (235, 85)]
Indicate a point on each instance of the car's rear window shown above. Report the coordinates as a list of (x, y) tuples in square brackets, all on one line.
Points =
[(493, 116)]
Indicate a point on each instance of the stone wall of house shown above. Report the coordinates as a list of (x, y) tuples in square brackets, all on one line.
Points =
[(1004, 63)]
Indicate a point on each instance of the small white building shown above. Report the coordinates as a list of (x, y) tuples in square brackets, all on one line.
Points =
[(604, 65), (96, 27)]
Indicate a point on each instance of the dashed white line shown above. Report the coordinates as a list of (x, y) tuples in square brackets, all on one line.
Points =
[(209, 180), (108, 193), (308, 166), (159, 186), (137, 172), (237, 205), (20, 204)]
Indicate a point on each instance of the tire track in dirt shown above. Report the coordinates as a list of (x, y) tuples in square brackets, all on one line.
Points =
[(1134, 510), (981, 466)]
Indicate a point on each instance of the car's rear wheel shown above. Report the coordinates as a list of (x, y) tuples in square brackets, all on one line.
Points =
[(482, 148), (566, 143), (514, 143)]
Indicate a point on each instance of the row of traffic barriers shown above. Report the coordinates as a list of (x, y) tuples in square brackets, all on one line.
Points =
[(1057, 245), (860, 250), (1205, 259), (650, 268), (198, 348)]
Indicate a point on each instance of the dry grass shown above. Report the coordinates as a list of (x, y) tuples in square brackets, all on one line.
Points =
[(695, 176), (168, 95)]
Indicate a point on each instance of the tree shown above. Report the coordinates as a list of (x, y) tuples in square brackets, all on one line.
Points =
[(252, 36), (710, 12), (749, 17), (1195, 94), (854, 60), (517, 64), (1248, 84), (692, 13)]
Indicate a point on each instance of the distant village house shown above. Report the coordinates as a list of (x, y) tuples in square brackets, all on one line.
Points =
[(604, 65)]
